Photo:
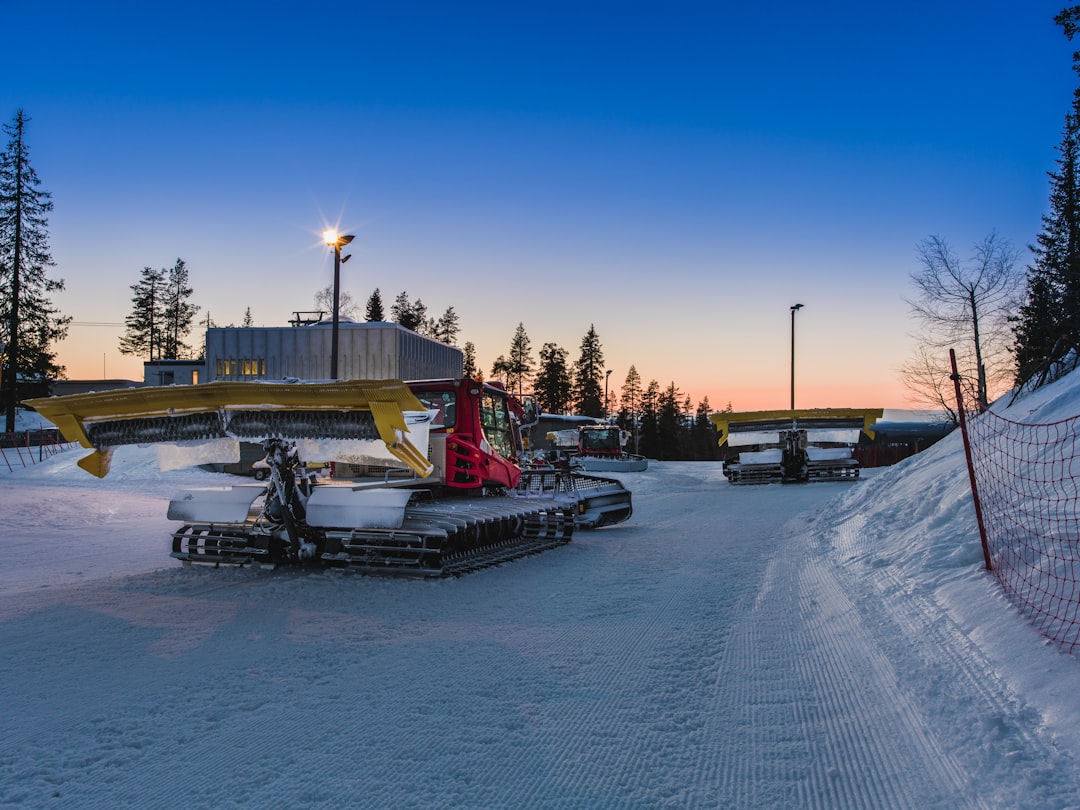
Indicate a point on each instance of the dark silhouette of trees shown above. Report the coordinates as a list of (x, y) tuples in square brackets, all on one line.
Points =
[(649, 422), (670, 425), (521, 360), (515, 370), (552, 386), (703, 437), (374, 309), (179, 312), (411, 315), (468, 364), (588, 392), (31, 325), (1047, 324), (144, 324), (447, 327), (161, 315)]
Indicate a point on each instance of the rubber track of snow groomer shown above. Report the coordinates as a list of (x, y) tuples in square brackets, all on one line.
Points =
[(598, 501), (440, 538)]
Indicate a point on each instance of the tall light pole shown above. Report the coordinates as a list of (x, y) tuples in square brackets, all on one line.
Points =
[(607, 376), (794, 309), (336, 241)]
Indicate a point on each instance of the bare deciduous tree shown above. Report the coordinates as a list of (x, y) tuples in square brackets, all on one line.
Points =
[(324, 301), (930, 382), (964, 304)]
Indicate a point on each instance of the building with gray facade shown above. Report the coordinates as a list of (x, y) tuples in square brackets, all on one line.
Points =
[(371, 350)]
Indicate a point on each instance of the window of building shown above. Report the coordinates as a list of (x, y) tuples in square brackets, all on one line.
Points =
[(243, 368)]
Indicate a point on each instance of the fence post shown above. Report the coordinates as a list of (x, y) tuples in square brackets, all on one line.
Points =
[(955, 377)]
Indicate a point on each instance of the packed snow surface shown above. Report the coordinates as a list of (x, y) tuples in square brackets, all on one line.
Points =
[(825, 645)]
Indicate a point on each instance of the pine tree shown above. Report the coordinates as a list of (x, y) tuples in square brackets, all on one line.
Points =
[(248, 321), (552, 384), (424, 324), (669, 424), (630, 402), (468, 363), (410, 315), (1039, 336), (179, 313), (588, 392), (1047, 325), (521, 361), (447, 328), (1048, 321), (207, 326), (145, 322), (703, 434), (31, 323), (374, 309), (401, 310), (649, 421), (501, 369)]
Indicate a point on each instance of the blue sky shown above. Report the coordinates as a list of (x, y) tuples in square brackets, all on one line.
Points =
[(676, 174)]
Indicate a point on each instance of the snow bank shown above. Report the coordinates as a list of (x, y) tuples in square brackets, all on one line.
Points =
[(912, 531)]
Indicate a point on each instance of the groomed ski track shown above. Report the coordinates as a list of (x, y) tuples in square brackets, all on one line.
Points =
[(719, 650)]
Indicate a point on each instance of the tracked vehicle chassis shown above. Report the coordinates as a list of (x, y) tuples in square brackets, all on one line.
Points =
[(436, 538)]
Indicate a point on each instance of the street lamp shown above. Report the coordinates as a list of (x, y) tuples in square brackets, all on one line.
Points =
[(794, 309), (607, 376), (336, 241)]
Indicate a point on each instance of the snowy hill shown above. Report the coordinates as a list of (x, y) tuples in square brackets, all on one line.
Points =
[(918, 541)]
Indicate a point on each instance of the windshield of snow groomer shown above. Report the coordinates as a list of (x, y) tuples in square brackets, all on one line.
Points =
[(443, 403), (496, 424), (600, 439)]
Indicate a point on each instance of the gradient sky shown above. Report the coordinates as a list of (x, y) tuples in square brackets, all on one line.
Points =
[(676, 174)]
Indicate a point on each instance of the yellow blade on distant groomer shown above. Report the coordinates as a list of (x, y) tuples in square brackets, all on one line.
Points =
[(808, 419)]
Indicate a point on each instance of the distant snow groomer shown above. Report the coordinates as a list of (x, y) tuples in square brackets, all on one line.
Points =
[(437, 488), (794, 446), (598, 448)]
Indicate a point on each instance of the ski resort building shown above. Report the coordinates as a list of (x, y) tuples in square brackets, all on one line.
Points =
[(371, 350)]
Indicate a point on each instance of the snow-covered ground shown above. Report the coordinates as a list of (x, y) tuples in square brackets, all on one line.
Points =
[(821, 646)]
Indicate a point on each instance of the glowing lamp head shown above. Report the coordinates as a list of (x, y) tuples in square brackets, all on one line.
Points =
[(335, 239)]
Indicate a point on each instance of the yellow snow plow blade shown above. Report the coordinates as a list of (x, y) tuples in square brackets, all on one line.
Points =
[(808, 419), (364, 410)]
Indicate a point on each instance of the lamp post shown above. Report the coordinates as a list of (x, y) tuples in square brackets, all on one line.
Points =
[(794, 309), (336, 241), (607, 376)]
